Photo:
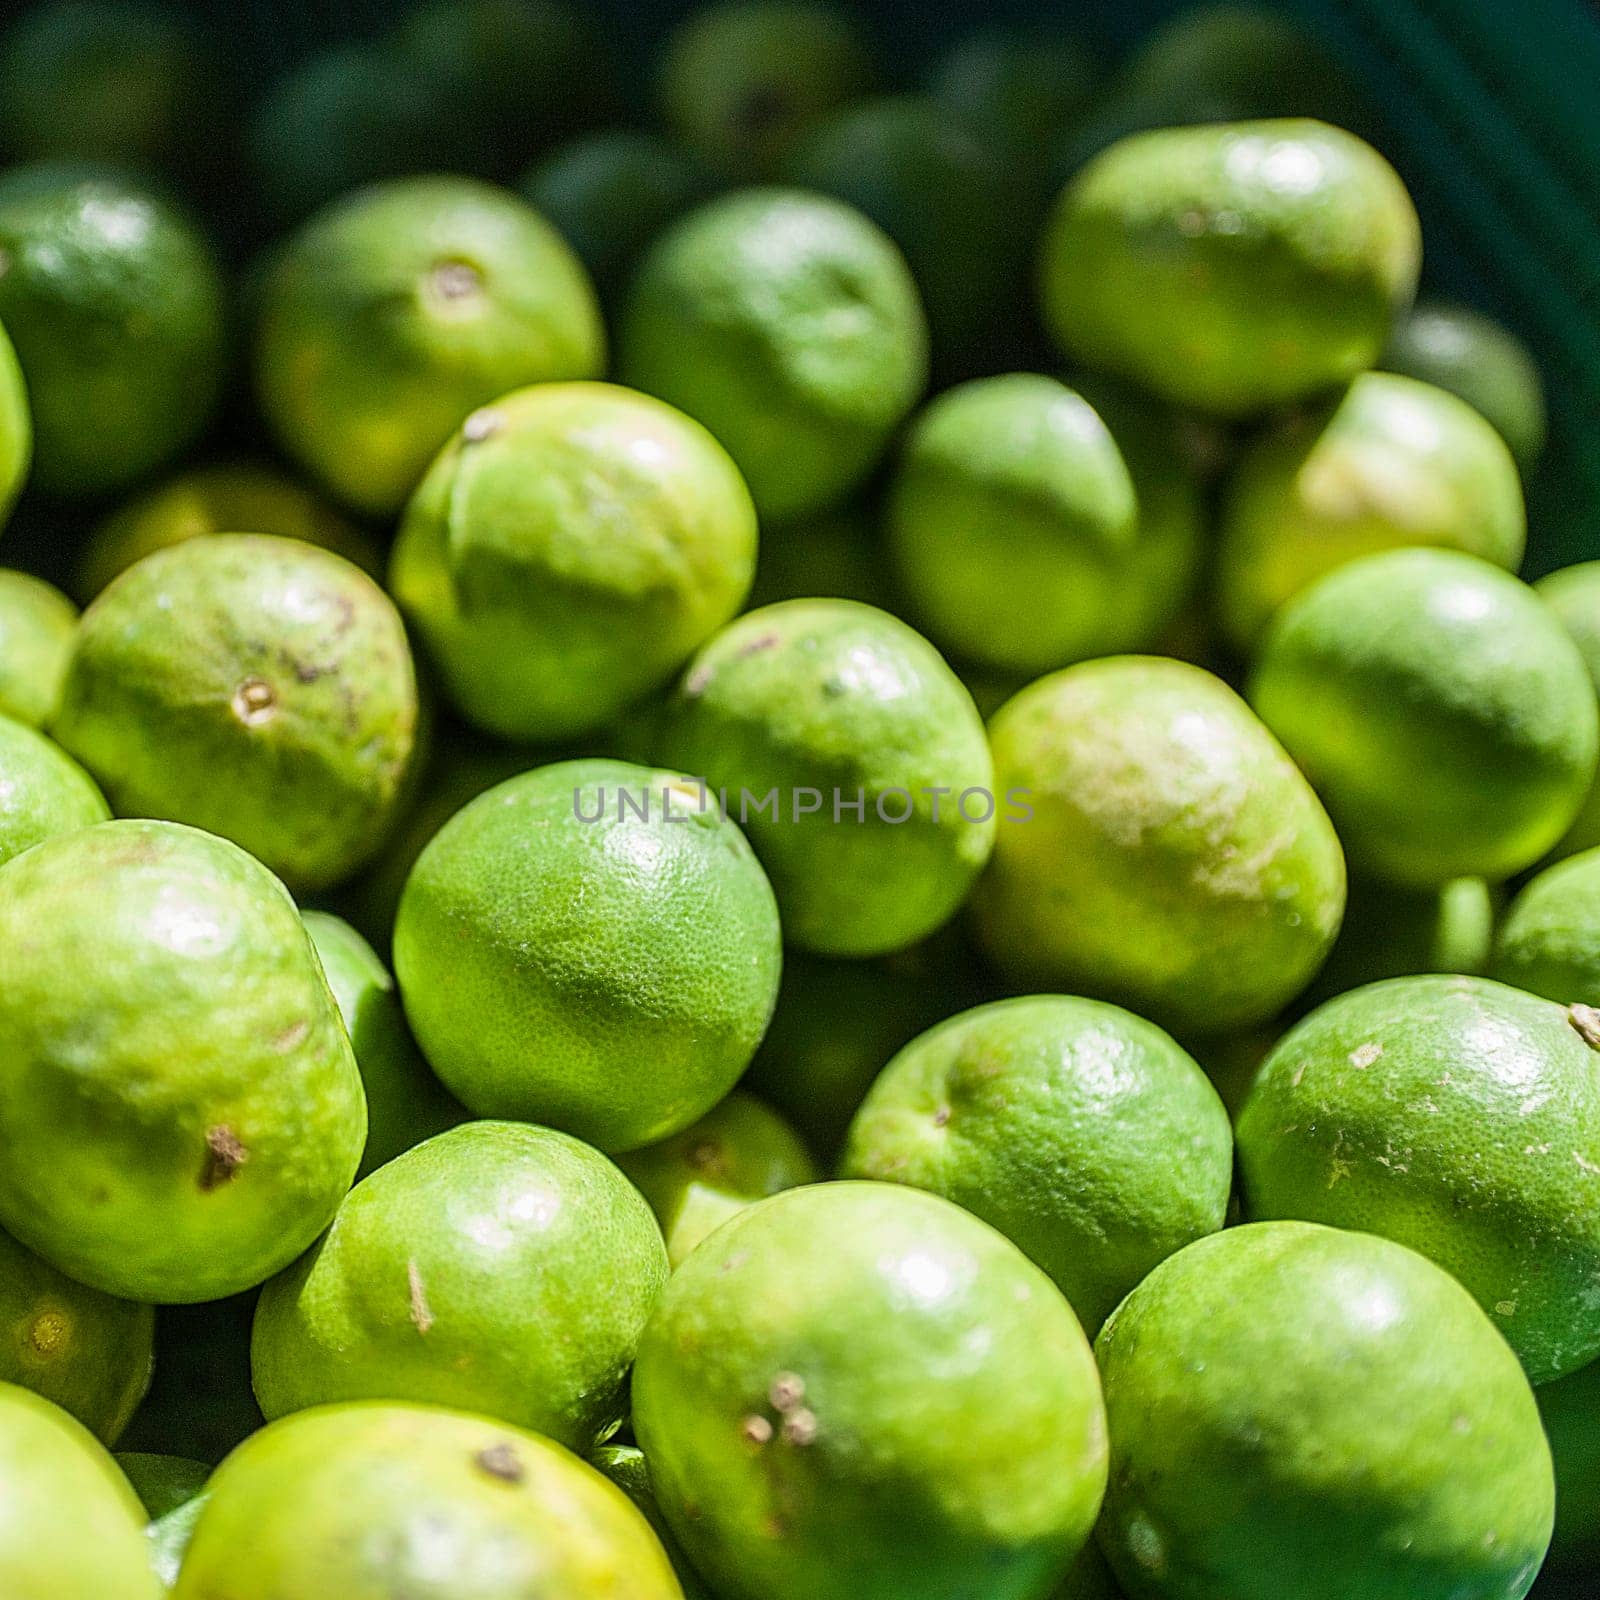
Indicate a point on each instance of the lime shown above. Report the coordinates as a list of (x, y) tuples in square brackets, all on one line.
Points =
[(181, 1111), (499, 1268), (369, 1501), (1165, 852), (1549, 942), (394, 312), (16, 427), (1080, 1131), (1457, 1116), (1573, 593), (43, 791), (856, 1389), (571, 548), (1473, 356), (625, 1466), (256, 687), (1300, 1411), (1231, 268), (742, 80), (589, 946), (736, 1154), (857, 761), (234, 498), (789, 325), (115, 305), (172, 1490), (1390, 462), (70, 1525), (1439, 709)]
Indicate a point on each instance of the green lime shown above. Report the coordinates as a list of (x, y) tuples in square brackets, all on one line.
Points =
[(1231, 268), (571, 548), (1165, 853), (1570, 1409), (857, 1389), (43, 791), (855, 758), (87, 1351), (181, 1112), (1300, 1411), (37, 624), (740, 81), (257, 687), (1080, 1131), (611, 193), (172, 1490), (69, 1524), (625, 1466), (1457, 1116), (590, 946), (1389, 463), (1440, 710), (116, 307), (405, 1102), (836, 555), (498, 1268), (736, 1154), (1475, 357), (16, 427), (1549, 942), (235, 498), (394, 312), (370, 1501), (790, 326), (1573, 594)]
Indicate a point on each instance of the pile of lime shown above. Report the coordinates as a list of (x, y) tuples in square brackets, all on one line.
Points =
[(798, 833)]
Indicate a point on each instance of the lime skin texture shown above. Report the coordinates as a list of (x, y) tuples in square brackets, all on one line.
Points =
[(69, 1523), (1549, 940), (1460, 1117), (1296, 1410), (16, 428), (569, 550), (789, 325), (1438, 708), (1231, 267), (1573, 594), (1175, 862), (611, 978), (257, 687), (116, 308), (370, 1501), (37, 623), (1471, 355), (625, 1466), (43, 791), (180, 1111), (1388, 463), (498, 1268), (736, 1154), (844, 699), (399, 309), (859, 1389), (1080, 1131), (88, 1352)]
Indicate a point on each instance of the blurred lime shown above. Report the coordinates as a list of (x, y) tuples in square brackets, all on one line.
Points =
[(37, 623), (1549, 942)]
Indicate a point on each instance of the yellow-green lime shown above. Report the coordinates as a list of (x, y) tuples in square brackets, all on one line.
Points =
[(625, 1466), (37, 623), (43, 791), (1549, 940)]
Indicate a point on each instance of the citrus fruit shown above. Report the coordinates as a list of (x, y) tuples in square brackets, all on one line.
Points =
[(180, 1114), (1171, 859), (589, 946), (37, 623), (1460, 1117), (172, 1491), (1549, 941), (397, 310), (856, 1389), (739, 1152), (16, 427), (1298, 1410), (1437, 707), (625, 1466), (497, 1267), (741, 81), (789, 325), (405, 1102), (88, 1352), (1080, 1131), (1473, 356), (257, 687), (369, 1501), (70, 1525), (115, 305), (43, 791), (857, 762), (1389, 463), (567, 553), (232, 498), (1573, 594), (1233, 267)]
